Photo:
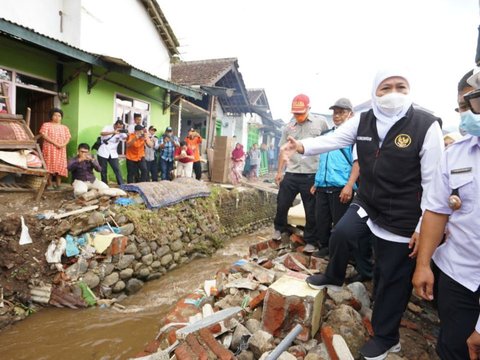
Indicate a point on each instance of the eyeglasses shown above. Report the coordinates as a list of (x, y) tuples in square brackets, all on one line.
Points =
[(473, 101), (340, 112), (84, 151)]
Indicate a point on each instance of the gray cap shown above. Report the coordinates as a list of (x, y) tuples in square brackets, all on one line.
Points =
[(342, 103)]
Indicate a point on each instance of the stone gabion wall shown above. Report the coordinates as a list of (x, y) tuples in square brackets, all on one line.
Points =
[(160, 240), (245, 210)]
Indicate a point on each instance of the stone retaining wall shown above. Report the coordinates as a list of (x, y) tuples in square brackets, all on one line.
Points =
[(160, 240)]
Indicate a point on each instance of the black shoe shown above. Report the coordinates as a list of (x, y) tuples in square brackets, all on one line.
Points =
[(320, 281), (357, 278), (323, 252), (374, 351)]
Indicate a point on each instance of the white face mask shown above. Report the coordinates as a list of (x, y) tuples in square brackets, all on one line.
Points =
[(393, 103)]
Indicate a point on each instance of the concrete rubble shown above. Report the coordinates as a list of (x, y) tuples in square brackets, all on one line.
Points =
[(270, 289)]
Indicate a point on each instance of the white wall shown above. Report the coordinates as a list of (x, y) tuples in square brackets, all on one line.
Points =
[(43, 17), (123, 29), (118, 28)]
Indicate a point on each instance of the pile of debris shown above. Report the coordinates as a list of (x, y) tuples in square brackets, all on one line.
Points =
[(262, 308), (97, 250)]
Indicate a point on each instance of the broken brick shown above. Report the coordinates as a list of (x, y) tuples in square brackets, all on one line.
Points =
[(368, 325), (198, 349), (292, 260), (257, 300), (408, 324), (184, 352), (327, 338), (219, 350), (296, 239), (289, 301)]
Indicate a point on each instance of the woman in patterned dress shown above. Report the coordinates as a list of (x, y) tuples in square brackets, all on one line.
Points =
[(55, 139)]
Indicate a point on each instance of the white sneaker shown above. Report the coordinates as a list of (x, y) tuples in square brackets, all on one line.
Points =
[(277, 235), (309, 248)]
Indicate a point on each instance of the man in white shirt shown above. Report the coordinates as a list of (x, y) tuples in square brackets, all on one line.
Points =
[(452, 208), (107, 153)]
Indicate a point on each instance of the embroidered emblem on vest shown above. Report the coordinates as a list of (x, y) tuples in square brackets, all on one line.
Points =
[(403, 140)]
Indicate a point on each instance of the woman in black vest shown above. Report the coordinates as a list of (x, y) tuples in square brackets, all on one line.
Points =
[(398, 149)]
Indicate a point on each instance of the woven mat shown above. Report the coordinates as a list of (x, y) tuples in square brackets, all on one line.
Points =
[(165, 193)]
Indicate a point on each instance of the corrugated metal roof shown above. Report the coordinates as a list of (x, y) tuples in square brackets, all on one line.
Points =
[(22, 33)]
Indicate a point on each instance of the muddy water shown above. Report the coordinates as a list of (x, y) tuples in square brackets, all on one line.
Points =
[(106, 333)]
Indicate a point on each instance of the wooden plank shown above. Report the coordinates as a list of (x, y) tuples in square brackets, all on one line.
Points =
[(4, 92)]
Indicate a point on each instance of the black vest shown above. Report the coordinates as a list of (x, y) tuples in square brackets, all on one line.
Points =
[(391, 189)]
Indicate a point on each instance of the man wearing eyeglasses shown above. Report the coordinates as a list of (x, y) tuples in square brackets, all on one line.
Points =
[(452, 203), (335, 182), (81, 167)]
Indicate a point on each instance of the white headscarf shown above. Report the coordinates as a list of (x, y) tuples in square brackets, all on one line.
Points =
[(382, 75)]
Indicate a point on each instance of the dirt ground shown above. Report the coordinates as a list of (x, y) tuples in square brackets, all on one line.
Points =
[(19, 264)]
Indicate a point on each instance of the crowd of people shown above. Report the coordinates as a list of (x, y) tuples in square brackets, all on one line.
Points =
[(383, 182), (378, 188), (146, 154)]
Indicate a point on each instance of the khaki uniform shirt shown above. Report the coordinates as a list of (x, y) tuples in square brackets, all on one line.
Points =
[(301, 164)]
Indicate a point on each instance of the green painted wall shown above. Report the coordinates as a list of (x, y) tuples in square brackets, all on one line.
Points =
[(85, 114), (29, 60)]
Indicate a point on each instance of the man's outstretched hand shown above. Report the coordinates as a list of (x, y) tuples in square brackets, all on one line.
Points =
[(290, 148)]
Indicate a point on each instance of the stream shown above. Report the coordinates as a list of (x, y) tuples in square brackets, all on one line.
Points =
[(105, 333)]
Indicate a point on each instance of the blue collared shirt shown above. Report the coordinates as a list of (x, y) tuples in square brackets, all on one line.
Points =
[(168, 151)]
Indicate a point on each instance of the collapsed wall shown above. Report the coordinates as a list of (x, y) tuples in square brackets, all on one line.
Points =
[(153, 243)]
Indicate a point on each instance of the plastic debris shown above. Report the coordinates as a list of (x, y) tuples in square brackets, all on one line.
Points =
[(24, 236), (87, 294), (124, 201), (55, 250)]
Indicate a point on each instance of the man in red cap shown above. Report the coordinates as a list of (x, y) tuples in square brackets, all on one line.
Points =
[(300, 172)]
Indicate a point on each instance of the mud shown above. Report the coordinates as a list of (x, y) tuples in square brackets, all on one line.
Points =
[(105, 333)]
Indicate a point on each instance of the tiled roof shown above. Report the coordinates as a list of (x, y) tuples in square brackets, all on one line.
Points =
[(202, 72)]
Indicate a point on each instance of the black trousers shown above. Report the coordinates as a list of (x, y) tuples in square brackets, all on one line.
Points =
[(137, 171), (152, 170), (292, 185), (393, 283), (351, 235), (116, 169), (328, 211), (197, 169), (458, 309)]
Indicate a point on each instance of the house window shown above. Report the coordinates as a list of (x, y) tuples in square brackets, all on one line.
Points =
[(125, 109)]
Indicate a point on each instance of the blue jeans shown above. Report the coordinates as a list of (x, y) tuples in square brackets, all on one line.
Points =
[(165, 167)]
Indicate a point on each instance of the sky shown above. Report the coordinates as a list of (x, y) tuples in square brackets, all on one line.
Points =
[(329, 49)]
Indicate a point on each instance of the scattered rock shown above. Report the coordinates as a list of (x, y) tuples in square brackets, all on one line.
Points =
[(346, 322), (239, 332), (119, 286), (110, 279), (126, 274), (125, 261), (260, 343), (253, 325), (133, 285), (360, 293), (92, 280)]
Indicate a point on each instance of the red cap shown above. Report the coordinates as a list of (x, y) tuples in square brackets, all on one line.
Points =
[(300, 104)]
